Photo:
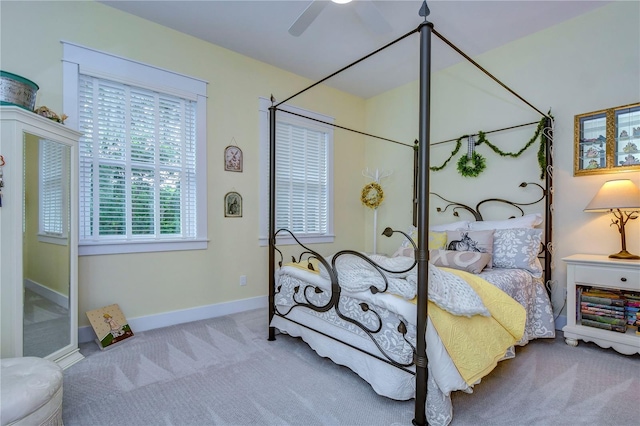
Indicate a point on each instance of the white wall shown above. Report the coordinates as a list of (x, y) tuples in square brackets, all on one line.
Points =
[(586, 64)]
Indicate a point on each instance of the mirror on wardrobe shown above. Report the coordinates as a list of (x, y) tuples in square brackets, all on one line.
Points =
[(46, 246)]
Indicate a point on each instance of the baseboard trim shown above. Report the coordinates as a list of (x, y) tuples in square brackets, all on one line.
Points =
[(49, 294), (166, 319)]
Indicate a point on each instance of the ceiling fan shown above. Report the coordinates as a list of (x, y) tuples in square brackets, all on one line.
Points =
[(366, 10)]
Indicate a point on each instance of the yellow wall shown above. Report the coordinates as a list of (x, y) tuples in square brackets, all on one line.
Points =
[(147, 284), (586, 64)]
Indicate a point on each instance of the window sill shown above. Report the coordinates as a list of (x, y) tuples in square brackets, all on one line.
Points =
[(91, 249), (51, 239)]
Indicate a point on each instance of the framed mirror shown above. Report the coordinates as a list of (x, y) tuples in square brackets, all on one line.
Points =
[(46, 256), (38, 238), (607, 141)]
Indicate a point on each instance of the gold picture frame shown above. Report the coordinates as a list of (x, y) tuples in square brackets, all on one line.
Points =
[(233, 159), (607, 141), (232, 204)]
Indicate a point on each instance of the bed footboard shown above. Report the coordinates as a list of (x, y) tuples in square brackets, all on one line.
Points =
[(327, 296)]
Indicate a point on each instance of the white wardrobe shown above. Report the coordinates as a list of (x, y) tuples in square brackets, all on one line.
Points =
[(38, 237)]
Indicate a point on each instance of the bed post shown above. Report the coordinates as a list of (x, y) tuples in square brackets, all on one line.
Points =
[(547, 133), (272, 219), (422, 254)]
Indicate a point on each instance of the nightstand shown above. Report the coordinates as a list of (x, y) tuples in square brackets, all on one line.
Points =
[(588, 270)]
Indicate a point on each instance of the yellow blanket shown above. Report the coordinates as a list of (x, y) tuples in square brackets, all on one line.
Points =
[(304, 264), (476, 344)]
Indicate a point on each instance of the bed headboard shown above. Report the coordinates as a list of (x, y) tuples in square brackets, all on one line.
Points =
[(443, 205)]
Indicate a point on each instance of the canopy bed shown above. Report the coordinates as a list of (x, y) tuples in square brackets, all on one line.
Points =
[(375, 314)]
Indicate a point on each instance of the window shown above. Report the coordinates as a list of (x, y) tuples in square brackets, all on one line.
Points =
[(304, 175), (53, 176), (142, 156)]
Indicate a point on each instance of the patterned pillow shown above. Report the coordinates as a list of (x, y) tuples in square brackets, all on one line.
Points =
[(526, 221), (454, 294), (437, 240), (470, 261), (464, 240), (517, 248)]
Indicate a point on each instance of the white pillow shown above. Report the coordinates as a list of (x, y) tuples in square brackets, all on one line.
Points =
[(454, 294), (463, 224), (526, 221)]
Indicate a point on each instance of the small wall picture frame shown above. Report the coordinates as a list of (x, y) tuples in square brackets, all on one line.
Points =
[(232, 204), (233, 159)]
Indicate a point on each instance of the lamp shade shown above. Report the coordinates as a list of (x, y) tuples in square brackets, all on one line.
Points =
[(620, 194)]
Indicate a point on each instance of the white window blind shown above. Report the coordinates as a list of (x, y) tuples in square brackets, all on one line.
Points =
[(143, 156), (137, 163), (301, 179), (53, 194), (304, 175)]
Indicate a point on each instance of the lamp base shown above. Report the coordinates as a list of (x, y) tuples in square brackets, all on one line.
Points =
[(623, 254)]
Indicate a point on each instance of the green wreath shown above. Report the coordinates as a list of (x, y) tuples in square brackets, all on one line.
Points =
[(471, 167)]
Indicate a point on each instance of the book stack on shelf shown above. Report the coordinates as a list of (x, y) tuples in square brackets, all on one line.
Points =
[(632, 310), (602, 308)]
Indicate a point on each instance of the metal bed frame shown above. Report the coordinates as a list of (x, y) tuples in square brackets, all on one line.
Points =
[(421, 213)]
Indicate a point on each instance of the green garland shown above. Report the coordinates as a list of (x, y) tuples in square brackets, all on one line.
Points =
[(471, 167), (479, 162), (454, 152)]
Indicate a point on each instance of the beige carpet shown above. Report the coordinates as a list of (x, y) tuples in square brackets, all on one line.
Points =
[(223, 371)]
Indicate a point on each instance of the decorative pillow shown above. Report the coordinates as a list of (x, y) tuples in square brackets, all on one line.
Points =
[(404, 251), (463, 240), (517, 249), (453, 294), (526, 221), (463, 224), (470, 261), (437, 240), (413, 233)]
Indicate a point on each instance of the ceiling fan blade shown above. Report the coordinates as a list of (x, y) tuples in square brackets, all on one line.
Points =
[(307, 17), (371, 17)]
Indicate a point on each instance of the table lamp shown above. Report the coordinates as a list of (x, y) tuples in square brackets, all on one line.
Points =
[(621, 198)]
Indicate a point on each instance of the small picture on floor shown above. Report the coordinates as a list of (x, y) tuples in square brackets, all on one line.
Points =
[(110, 325), (232, 205)]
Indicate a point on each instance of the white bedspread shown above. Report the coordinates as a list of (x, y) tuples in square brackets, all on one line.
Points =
[(444, 378), (446, 290)]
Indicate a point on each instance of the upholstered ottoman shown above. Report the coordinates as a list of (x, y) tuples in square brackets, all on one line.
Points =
[(30, 392)]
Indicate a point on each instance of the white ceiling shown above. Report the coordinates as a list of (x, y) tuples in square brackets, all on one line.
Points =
[(259, 29)]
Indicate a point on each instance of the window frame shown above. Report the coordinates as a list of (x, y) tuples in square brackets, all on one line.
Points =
[(310, 122), (86, 61)]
